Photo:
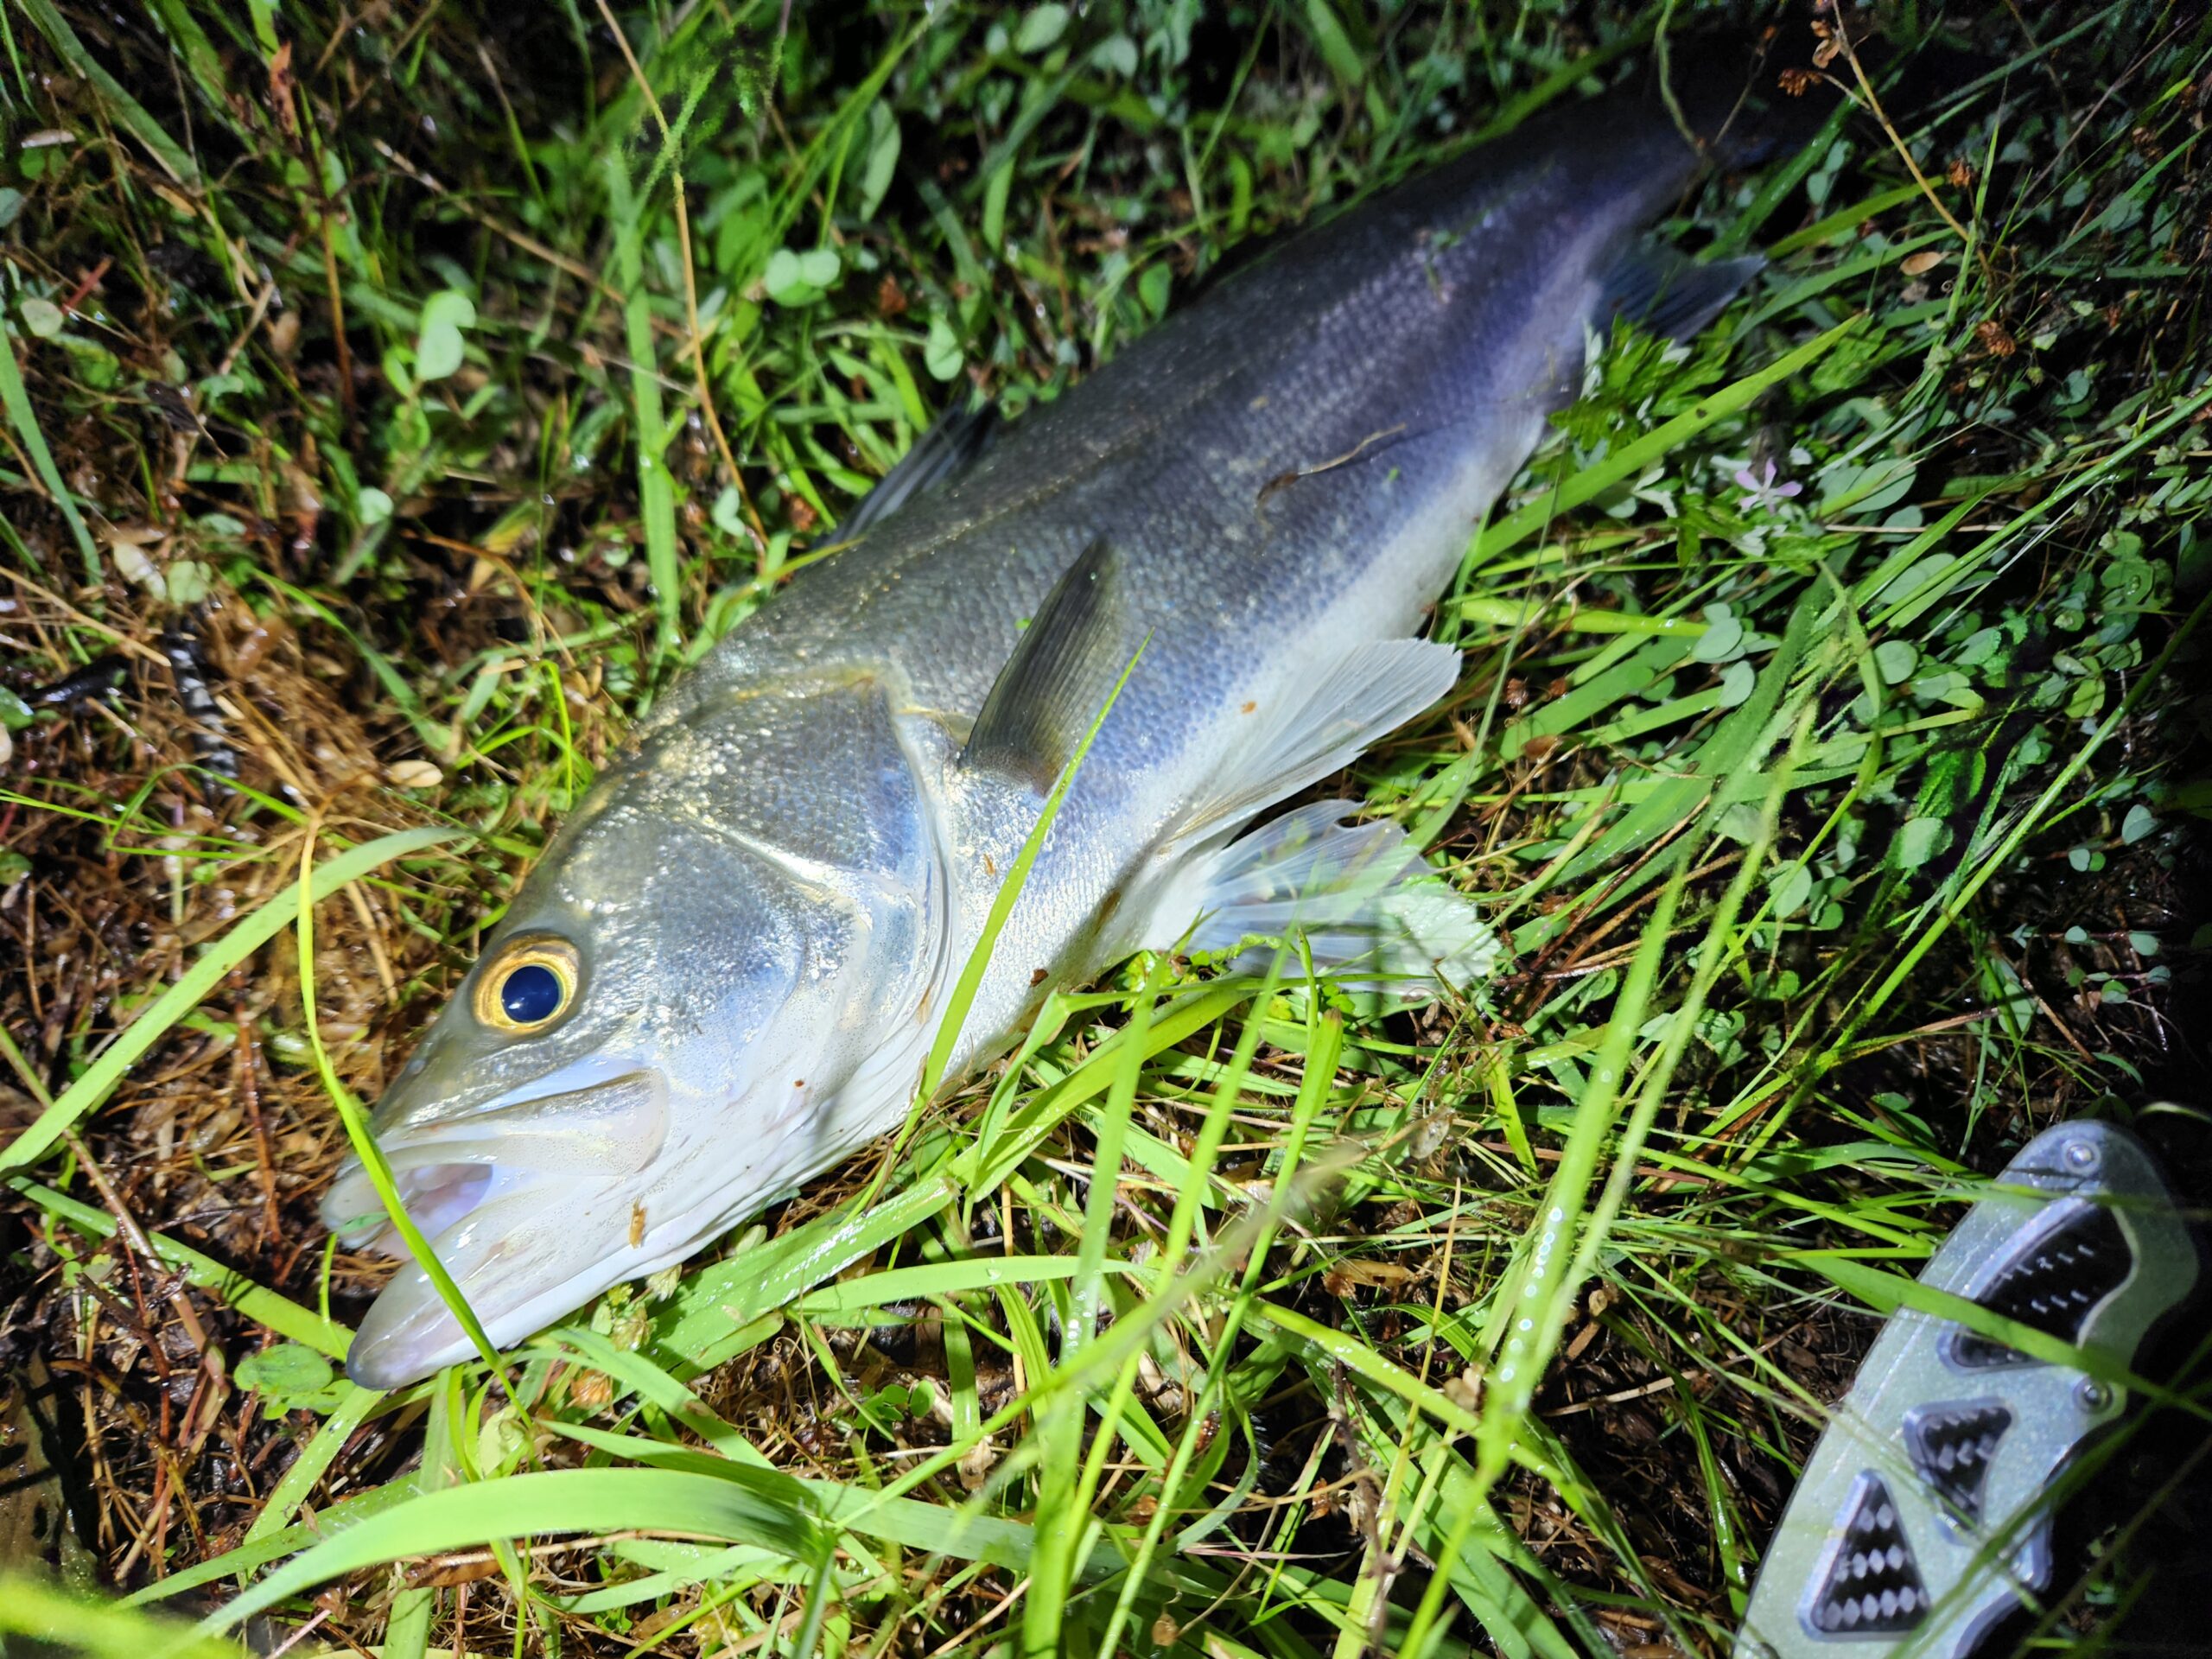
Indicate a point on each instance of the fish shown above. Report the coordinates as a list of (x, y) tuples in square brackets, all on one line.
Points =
[(1212, 560)]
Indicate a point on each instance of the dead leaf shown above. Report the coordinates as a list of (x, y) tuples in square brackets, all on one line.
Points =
[(975, 1462)]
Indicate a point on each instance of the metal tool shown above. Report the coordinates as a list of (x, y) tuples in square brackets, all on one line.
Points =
[(1924, 1515)]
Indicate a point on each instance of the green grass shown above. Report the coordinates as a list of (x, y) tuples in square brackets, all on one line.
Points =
[(1837, 821)]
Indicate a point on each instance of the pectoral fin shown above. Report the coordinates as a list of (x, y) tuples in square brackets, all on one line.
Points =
[(1061, 673), (1319, 725)]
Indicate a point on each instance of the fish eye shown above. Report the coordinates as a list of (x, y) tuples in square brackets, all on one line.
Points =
[(529, 987)]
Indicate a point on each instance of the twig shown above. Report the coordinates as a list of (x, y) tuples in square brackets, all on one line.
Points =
[(300, 1635), (186, 1315), (250, 1097), (1904, 150), (126, 643), (529, 245)]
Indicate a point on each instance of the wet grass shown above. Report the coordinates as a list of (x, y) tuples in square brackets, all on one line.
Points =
[(396, 400)]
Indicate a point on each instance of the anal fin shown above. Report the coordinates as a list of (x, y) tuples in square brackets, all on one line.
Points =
[(1321, 725), (1365, 904)]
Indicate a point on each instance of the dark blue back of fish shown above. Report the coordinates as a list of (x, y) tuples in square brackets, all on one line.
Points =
[(1240, 454)]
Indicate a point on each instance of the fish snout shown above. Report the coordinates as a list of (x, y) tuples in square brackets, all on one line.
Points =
[(444, 1162), (520, 1196), (522, 1257)]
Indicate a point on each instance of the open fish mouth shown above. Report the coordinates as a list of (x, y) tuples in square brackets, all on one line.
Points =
[(444, 1163), (525, 1202), (436, 1196)]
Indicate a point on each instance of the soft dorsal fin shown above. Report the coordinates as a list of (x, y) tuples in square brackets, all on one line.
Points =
[(1059, 677), (1654, 285), (940, 454)]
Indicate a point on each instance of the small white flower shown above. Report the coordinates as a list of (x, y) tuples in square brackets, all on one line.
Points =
[(1765, 492)]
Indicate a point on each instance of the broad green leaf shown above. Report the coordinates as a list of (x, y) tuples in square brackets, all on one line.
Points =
[(1737, 682), (883, 141), (1920, 840), (1722, 637), (794, 278), (41, 316), (1041, 29), (941, 353), (1894, 659), (289, 1376), (438, 346)]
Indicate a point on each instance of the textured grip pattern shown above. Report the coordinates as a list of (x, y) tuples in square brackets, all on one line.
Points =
[(1873, 1585), (1951, 1447), (2053, 1285)]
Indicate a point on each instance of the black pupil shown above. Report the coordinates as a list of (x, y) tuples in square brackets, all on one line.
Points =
[(531, 993)]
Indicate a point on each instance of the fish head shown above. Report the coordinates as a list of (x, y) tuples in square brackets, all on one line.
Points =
[(654, 1041)]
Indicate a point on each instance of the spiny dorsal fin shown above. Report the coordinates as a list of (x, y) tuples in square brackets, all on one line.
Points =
[(1059, 677), (940, 454)]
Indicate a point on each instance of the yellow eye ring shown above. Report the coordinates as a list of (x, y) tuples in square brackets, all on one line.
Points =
[(528, 986)]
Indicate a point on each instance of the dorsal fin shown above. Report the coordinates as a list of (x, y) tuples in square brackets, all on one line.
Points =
[(940, 454), (1059, 676), (1657, 287)]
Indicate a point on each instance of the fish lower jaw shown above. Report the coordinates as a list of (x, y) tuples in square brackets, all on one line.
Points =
[(529, 1244), (610, 1126), (528, 1249), (436, 1197)]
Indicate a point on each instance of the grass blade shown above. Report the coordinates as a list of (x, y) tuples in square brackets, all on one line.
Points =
[(264, 1307), (128, 110), (155, 1021), (25, 421), (35, 1607), (758, 1511), (1633, 458)]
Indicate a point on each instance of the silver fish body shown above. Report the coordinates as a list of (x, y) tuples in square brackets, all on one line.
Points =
[(758, 912)]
